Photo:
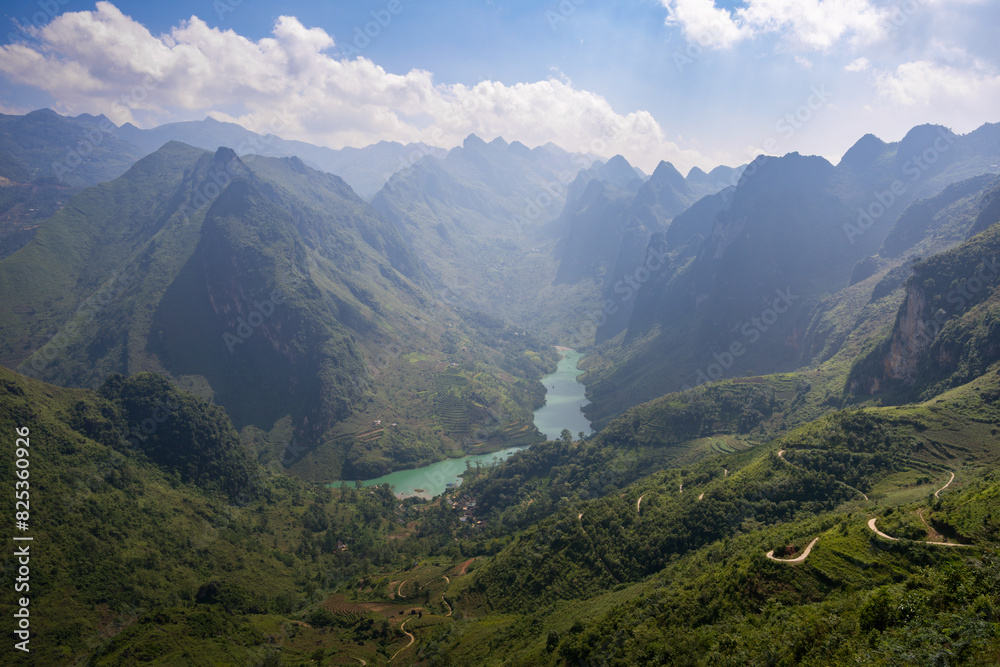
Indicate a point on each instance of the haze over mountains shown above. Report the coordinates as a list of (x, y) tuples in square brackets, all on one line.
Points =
[(208, 326)]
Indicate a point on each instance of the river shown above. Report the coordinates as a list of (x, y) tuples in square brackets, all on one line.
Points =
[(563, 399)]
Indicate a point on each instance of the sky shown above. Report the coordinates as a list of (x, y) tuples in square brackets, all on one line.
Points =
[(693, 82)]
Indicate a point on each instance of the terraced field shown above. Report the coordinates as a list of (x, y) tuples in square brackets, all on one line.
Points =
[(451, 408), (727, 444), (452, 412)]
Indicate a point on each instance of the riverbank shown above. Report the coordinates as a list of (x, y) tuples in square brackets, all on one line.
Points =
[(564, 396)]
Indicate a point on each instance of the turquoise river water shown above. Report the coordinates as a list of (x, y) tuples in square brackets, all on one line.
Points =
[(563, 400)]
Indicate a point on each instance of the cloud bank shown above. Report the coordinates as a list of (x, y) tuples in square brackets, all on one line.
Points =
[(102, 61)]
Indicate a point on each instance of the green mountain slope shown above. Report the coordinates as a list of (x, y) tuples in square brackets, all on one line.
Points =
[(365, 169), (155, 538), (741, 300), (630, 578), (46, 158), (273, 290), (945, 331)]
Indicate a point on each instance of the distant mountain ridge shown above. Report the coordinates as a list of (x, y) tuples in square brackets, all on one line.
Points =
[(792, 223), (46, 158), (271, 289), (365, 169)]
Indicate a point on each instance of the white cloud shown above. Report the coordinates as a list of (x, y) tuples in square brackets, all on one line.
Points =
[(806, 24), (102, 61), (857, 65), (704, 23), (817, 24), (926, 84)]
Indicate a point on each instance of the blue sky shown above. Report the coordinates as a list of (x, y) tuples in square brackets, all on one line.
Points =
[(695, 82)]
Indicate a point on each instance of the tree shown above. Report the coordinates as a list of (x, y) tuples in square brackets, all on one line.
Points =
[(566, 436)]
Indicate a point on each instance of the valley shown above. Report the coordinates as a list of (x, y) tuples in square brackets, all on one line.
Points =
[(563, 394), (511, 405)]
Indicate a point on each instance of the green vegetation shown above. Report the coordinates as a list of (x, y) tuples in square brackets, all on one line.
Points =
[(236, 351), (274, 291)]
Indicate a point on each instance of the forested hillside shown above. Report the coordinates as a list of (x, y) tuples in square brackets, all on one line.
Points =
[(797, 429)]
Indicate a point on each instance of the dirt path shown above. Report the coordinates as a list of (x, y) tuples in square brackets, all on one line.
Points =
[(945, 486), (725, 472), (702, 495), (412, 639), (797, 559), (447, 605), (636, 504), (445, 577), (399, 591), (931, 533), (682, 487), (871, 524), (464, 567)]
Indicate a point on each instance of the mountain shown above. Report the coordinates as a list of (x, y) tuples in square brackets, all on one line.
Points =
[(240, 328), (479, 220), (945, 333), (365, 169), (720, 178), (165, 540), (616, 172), (75, 152), (989, 213), (739, 300), (591, 229), (46, 158), (609, 219), (926, 219), (653, 210), (273, 290)]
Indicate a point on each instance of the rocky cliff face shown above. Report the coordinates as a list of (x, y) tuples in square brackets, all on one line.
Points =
[(910, 339), (947, 329)]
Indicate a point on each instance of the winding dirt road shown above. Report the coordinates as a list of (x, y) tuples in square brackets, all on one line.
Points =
[(871, 524), (945, 486), (797, 559), (636, 504), (412, 639)]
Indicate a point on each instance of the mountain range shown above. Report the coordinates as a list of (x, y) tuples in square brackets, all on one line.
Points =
[(793, 368)]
